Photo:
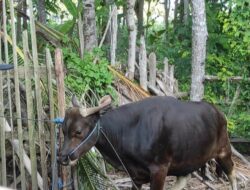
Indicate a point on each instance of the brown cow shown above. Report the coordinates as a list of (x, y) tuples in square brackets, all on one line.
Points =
[(155, 137)]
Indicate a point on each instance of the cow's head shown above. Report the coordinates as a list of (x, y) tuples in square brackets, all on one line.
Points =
[(81, 130)]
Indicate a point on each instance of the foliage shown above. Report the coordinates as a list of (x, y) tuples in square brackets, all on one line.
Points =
[(91, 174), (83, 76)]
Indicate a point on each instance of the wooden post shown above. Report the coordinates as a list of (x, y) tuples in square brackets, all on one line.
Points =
[(113, 35), (80, 33), (53, 135), (165, 71), (17, 96), (171, 79), (152, 69), (30, 111), (61, 104), (38, 96), (143, 64), (6, 50)]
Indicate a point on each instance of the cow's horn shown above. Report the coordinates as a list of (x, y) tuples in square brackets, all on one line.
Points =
[(75, 102), (104, 101)]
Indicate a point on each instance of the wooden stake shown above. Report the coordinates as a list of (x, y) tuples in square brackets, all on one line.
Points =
[(61, 104)]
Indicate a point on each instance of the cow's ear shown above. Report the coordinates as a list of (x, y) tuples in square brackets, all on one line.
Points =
[(75, 102)]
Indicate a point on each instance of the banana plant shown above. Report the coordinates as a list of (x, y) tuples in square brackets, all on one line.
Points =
[(74, 11)]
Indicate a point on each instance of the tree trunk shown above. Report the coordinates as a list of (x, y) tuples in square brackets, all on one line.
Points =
[(89, 28), (186, 11), (139, 13), (147, 20), (199, 38), (113, 36), (175, 10), (41, 11), (167, 8), (143, 64), (132, 38), (25, 25)]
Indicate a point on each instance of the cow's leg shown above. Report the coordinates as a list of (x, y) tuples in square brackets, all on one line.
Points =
[(227, 165), (158, 175), (180, 183)]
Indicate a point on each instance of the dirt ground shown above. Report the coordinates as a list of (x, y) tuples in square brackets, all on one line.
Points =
[(123, 182), (193, 184)]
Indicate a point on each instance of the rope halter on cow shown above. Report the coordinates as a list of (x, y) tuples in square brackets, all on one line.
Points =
[(95, 133)]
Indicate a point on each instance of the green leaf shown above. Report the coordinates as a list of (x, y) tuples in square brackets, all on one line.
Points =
[(71, 7), (67, 26)]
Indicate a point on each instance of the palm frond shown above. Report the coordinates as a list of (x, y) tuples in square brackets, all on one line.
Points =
[(135, 92), (91, 174)]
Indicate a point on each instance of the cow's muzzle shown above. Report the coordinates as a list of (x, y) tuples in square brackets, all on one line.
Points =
[(65, 160)]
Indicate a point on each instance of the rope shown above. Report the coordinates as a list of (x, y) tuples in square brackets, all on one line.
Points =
[(119, 158), (56, 120)]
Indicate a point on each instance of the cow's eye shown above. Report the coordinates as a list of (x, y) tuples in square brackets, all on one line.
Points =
[(78, 132)]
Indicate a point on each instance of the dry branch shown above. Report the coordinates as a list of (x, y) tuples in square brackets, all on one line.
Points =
[(239, 155), (234, 78)]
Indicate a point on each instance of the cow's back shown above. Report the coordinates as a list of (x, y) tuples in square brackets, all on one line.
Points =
[(162, 128)]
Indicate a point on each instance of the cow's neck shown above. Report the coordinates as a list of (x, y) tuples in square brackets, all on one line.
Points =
[(104, 146)]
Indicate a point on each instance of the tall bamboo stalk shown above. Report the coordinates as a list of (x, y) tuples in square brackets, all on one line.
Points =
[(38, 96), (17, 96), (52, 126), (9, 89), (2, 130), (31, 123)]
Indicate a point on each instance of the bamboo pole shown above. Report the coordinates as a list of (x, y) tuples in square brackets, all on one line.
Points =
[(52, 126), (5, 35), (17, 96), (2, 130), (38, 96), (31, 123)]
